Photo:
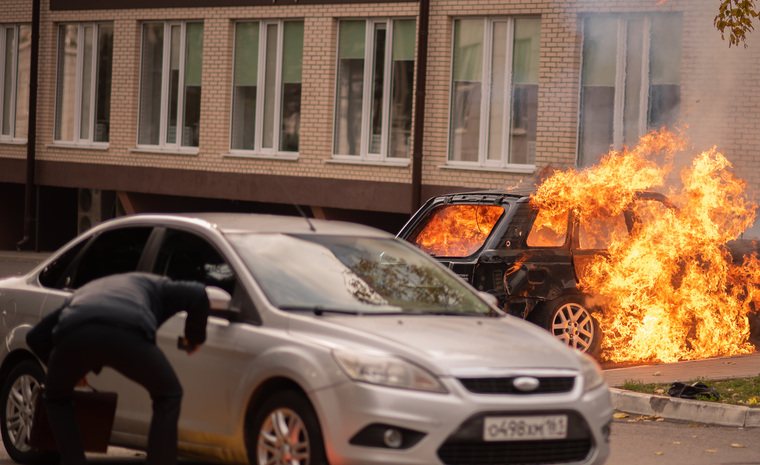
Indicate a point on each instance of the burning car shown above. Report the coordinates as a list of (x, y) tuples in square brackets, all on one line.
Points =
[(501, 243)]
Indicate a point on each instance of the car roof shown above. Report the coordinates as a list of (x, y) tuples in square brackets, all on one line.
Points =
[(236, 223)]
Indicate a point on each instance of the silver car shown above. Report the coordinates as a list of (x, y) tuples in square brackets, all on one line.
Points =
[(342, 345)]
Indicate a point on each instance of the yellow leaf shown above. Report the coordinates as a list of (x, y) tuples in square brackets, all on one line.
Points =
[(658, 453), (738, 446), (678, 443), (620, 415), (752, 401), (710, 450)]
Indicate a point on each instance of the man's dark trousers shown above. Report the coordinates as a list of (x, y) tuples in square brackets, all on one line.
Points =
[(129, 352)]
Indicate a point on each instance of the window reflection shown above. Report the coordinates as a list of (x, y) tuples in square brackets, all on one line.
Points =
[(353, 274)]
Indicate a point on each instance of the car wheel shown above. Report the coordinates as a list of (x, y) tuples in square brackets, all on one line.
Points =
[(569, 320), (285, 430), (18, 398)]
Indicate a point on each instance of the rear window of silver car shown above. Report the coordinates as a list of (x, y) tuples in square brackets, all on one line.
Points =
[(348, 274)]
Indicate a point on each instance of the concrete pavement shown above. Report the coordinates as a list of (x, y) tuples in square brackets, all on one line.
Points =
[(672, 408)]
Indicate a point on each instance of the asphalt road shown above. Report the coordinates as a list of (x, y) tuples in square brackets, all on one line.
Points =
[(633, 442)]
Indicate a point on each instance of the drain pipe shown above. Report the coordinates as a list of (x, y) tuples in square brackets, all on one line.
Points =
[(31, 138), (419, 106)]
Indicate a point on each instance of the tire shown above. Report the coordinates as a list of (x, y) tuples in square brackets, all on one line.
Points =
[(18, 397), (285, 430), (568, 319)]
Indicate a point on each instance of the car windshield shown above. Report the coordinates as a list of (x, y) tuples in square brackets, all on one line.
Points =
[(348, 274), (456, 230)]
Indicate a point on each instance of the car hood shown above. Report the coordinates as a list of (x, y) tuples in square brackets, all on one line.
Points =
[(458, 345)]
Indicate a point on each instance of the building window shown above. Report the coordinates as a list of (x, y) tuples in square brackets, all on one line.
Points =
[(266, 95), (375, 83), (630, 82), (15, 51), (83, 89), (494, 92), (170, 85)]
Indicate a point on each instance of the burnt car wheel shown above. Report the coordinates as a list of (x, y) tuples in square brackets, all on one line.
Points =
[(18, 398), (568, 318), (285, 431)]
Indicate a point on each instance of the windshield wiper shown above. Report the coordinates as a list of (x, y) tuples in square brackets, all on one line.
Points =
[(319, 309)]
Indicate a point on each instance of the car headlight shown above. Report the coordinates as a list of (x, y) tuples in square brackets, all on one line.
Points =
[(386, 370), (592, 372)]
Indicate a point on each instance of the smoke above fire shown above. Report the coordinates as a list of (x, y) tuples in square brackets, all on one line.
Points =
[(670, 289)]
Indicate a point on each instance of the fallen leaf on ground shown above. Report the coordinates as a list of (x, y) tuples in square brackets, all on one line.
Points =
[(619, 415), (658, 453), (711, 450), (678, 443), (738, 446)]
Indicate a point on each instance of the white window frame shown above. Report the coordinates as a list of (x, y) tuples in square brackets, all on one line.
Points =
[(618, 121), (369, 46), (641, 124), (261, 94), (165, 86), (485, 107), (14, 84), (79, 79)]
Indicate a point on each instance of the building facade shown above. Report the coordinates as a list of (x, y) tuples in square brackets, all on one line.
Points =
[(253, 105)]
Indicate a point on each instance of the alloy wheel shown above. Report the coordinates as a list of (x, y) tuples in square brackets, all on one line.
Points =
[(283, 439), (573, 326), (19, 410)]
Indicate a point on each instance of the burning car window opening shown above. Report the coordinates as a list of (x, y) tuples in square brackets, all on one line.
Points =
[(549, 230), (456, 230), (601, 231)]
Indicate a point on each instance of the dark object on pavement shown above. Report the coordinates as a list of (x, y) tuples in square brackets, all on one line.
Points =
[(94, 412), (691, 391)]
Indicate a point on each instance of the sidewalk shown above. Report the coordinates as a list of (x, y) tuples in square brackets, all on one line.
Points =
[(672, 408)]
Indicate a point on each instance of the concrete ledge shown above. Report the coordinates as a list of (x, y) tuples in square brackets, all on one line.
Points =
[(673, 408)]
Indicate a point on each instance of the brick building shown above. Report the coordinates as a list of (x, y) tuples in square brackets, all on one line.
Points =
[(257, 105)]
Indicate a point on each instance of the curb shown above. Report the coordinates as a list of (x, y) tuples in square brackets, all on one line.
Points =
[(673, 408)]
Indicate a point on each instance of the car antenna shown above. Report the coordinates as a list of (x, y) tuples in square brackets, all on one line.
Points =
[(292, 200)]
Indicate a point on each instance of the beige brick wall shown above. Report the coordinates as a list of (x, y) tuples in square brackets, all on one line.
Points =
[(719, 91)]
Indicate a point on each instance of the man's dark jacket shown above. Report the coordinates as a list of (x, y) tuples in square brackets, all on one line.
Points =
[(140, 301)]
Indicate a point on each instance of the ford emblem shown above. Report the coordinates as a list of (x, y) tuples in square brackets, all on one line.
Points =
[(526, 383)]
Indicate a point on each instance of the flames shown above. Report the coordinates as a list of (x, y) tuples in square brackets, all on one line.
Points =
[(670, 289), (457, 230)]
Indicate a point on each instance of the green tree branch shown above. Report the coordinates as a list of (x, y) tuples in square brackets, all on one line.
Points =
[(734, 19)]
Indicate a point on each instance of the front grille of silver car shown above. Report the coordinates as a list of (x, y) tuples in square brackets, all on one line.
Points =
[(515, 452), (466, 445), (546, 385)]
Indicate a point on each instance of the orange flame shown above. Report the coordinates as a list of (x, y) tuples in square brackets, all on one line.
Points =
[(670, 289), (457, 230)]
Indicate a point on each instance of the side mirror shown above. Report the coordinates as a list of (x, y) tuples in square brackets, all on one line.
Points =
[(218, 298)]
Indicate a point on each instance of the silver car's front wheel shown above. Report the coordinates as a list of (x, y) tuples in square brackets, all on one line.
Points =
[(285, 431), (18, 398), (283, 439)]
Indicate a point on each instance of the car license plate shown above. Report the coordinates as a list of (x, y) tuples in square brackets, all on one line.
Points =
[(529, 428)]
